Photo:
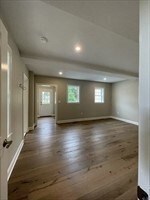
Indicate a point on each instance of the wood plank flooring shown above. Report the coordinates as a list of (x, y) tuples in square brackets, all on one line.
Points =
[(80, 161)]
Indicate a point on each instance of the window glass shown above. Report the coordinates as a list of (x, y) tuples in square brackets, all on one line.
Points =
[(99, 95), (73, 94), (45, 97)]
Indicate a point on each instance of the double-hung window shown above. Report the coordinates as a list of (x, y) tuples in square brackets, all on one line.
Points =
[(73, 94), (99, 95)]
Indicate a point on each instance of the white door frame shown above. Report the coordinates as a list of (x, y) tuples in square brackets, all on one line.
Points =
[(36, 102), (25, 102), (3, 111), (9, 97), (144, 99), (45, 109)]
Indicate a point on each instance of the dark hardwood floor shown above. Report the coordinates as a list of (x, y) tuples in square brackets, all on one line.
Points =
[(80, 161)]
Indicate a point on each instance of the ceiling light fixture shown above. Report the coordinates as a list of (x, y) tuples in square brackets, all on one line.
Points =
[(43, 39), (60, 73), (78, 48), (105, 79)]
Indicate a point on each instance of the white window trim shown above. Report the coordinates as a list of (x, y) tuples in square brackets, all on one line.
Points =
[(97, 95), (67, 94)]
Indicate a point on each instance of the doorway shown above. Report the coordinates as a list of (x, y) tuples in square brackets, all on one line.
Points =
[(46, 105)]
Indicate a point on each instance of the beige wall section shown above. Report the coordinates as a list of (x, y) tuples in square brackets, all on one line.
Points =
[(125, 100), (86, 106), (18, 69), (31, 100)]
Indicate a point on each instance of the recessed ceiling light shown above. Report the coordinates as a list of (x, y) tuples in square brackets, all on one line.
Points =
[(60, 73), (105, 79), (78, 48), (43, 39)]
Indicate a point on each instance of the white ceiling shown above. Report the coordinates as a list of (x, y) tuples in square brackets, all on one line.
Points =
[(119, 16), (107, 32), (72, 70)]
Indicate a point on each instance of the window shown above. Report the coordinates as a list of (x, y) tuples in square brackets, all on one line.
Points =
[(73, 94), (45, 97), (99, 95)]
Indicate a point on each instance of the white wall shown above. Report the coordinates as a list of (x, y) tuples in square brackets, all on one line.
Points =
[(125, 100), (18, 69), (144, 110)]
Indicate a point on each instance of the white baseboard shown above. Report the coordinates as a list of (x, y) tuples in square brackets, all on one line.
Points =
[(96, 118), (31, 128), (125, 120), (25, 134), (81, 119), (13, 162)]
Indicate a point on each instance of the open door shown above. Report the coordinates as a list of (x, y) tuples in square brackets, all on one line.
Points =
[(3, 112)]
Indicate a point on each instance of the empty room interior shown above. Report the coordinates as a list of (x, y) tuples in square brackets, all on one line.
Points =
[(74, 99)]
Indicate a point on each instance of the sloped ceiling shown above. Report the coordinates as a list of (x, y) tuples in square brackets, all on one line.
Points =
[(119, 16)]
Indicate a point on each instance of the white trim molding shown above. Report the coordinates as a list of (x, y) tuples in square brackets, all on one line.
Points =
[(9, 135), (25, 134), (32, 127), (125, 120), (81, 119), (14, 160), (96, 118)]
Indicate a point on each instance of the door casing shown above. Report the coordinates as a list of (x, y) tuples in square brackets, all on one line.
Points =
[(56, 101), (25, 104), (3, 111), (46, 109)]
